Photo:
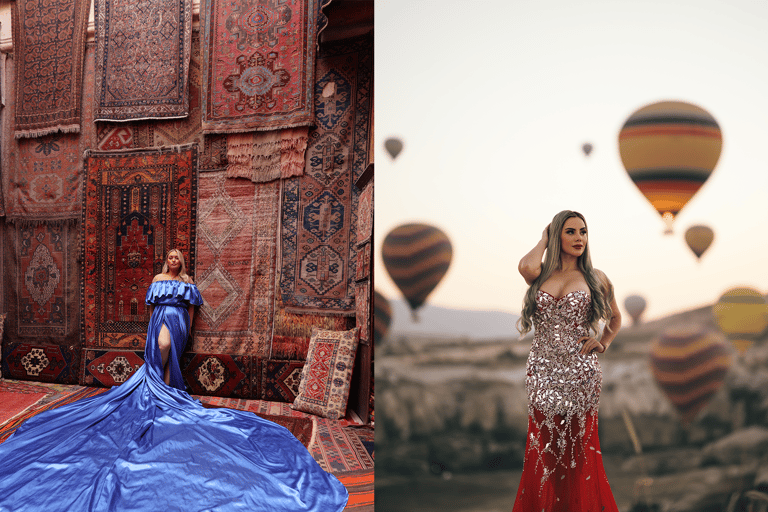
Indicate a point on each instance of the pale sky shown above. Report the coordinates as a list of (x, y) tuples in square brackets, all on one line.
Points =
[(493, 101)]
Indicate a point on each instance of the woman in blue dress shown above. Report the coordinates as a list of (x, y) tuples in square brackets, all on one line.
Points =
[(147, 445)]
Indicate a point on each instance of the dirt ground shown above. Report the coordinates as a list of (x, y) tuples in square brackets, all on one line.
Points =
[(492, 491)]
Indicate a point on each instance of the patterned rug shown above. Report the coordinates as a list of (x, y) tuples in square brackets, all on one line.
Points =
[(212, 148), (226, 230), (360, 486), (293, 331), (142, 59), (267, 156), (258, 64), (138, 204), (15, 403), (48, 90), (279, 379), (42, 177), (318, 253), (41, 339)]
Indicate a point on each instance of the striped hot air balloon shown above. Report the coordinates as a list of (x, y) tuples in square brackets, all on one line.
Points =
[(742, 315), (689, 364), (382, 316), (669, 149), (416, 256)]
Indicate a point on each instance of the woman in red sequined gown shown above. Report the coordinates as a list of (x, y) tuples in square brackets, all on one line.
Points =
[(567, 298)]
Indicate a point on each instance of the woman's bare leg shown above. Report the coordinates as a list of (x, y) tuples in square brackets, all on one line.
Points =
[(164, 343)]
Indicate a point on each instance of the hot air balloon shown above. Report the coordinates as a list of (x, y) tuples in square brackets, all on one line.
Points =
[(394, 146), (587, 148), (742, 315), (416, 256), (690, 363), (669, 149), (635, 305), (382, 316), (699, 239)]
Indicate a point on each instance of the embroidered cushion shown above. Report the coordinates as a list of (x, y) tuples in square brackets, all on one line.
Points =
[(326, 377)]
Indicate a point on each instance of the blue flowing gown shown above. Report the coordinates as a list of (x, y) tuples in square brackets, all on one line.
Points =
[(147, 446)]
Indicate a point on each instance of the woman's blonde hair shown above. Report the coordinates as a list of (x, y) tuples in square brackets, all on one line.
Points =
[(183, 270), (601, 307)]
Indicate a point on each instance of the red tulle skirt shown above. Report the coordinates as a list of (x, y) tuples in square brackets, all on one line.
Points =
[(566, 489)]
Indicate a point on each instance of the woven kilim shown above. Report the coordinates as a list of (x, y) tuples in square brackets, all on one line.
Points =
[(218, 374), (142, 59), (340, 448), (67, 397), (319, 217), (42, 177), (279, 379), (212, 148), (110, 367), (41, 339), (258, 64), (15, 403), (49, 46), (301, 428), (292, 331), (363, 309), (137, 205), (267, 156), (365, 215), (226, 253), (360, 487)]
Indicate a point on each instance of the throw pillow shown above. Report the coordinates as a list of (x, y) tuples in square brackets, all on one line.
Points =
[(326, 377)]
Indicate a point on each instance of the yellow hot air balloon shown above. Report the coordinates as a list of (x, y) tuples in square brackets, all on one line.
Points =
[(690, 363), (699, 239), (669, 149), (742, 315)]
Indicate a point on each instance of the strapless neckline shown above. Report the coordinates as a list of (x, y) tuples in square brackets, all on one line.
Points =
[(566, 295)]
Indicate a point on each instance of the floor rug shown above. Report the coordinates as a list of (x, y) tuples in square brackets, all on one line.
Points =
[(43, 177), (319, 213), (137, 205), (339, 448), (301, 428), (360, 485), (142, 59), (16, 403), (48, 91), (258, 64)]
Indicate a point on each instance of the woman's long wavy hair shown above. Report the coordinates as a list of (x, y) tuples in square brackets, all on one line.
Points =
[(182, 271), (601, 307)]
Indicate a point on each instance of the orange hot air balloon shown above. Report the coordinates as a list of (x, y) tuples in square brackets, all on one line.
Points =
[(690, 363), (394, 146), (699, 238), (635, 305), (416, 256), (382, 316), (742, 315), (669, 149)]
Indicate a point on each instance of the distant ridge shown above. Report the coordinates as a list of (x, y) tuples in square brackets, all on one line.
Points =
[(452, 323)]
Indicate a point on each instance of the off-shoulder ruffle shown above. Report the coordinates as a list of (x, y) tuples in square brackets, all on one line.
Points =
[(171, 288)]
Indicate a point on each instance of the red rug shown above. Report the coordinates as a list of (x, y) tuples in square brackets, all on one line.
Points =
[(138, 205), (16, 403), (361, 490), (319, 213), (41, 339), (43, 177), (258, 64), (49, 46), (142, 59)]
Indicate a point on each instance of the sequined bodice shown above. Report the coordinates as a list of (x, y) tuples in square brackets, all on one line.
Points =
[(559, 379)]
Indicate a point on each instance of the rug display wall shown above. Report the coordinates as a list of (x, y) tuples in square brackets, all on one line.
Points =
[(91, 207)]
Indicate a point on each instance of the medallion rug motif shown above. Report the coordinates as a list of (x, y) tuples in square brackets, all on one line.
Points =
[(142, 59), (42, 177), (319, 215), (258, 64), (225, 273), (40, 339), (49, 47), (138, 204)]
